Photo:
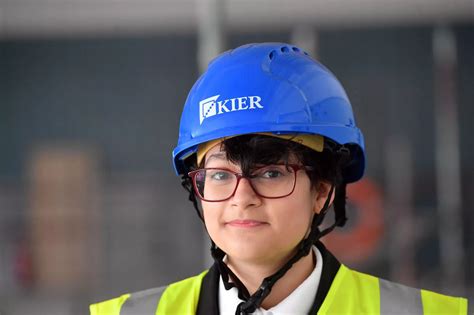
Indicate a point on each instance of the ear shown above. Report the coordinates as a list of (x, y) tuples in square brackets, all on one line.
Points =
[(321, 195)]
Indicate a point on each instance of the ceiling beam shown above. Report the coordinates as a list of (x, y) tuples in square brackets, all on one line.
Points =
[(72, 18)]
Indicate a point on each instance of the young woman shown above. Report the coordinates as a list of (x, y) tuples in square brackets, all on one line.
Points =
[(267, 144)]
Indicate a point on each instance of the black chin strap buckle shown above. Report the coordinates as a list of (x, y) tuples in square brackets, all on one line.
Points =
[(256, 299)]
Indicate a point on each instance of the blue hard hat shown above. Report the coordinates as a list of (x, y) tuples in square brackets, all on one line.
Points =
[(268, 87)]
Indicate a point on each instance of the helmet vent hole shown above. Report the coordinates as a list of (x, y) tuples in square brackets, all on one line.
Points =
[(295, 49), (284, 49), (272, 54)]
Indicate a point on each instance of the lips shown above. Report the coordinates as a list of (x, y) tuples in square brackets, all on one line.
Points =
[(246, 223)]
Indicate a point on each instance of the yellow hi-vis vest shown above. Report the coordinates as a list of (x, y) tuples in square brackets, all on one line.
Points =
[(351, 292)]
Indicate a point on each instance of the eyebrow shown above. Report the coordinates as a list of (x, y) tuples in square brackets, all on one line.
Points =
[(218, 155)]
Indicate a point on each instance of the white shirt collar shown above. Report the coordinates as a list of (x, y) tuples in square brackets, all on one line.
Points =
[(298, 302)]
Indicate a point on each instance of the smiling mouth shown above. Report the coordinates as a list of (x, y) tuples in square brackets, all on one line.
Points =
[(246, 223)]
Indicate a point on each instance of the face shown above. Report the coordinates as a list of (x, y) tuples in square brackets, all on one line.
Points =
[(259, 230)]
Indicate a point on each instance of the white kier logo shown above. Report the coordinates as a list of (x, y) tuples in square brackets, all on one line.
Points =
[(211, 106), (207, 108)]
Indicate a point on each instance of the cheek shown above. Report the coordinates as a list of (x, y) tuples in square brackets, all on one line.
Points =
[(211, 213), (298, 222), (300, 211), (294, 217)]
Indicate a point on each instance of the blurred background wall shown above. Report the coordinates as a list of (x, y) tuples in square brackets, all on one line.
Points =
[(90, 99)]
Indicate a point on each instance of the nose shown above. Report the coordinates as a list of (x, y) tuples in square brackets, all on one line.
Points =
[(244, 195)]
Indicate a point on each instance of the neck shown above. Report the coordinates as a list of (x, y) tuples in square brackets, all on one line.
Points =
[(252, 275)]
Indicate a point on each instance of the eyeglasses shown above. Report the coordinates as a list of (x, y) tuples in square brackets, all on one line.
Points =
[(271, 181)]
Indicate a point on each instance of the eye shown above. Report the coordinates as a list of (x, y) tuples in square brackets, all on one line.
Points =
[(271, 172), (219, 175)]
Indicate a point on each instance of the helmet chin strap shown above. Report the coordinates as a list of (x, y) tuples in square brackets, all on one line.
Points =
[(188, 186), (251, 302)]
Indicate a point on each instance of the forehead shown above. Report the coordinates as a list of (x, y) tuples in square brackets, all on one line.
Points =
[(215, 152)]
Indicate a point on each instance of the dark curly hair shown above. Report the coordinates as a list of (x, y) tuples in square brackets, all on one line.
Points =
[(254, 150)]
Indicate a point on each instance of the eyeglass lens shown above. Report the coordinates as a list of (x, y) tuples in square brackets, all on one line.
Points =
[(271, 181)]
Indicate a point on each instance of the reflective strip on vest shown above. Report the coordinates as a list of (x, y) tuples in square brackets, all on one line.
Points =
[(143, 302), (351, 292), (178, 298), (399, 299)]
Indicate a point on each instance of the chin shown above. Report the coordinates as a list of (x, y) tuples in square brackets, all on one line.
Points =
[(252, 252)]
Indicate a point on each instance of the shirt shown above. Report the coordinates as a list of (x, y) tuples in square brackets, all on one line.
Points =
[(298, 302)]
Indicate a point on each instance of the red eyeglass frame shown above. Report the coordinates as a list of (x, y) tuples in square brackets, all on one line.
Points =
[(239, 176)]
